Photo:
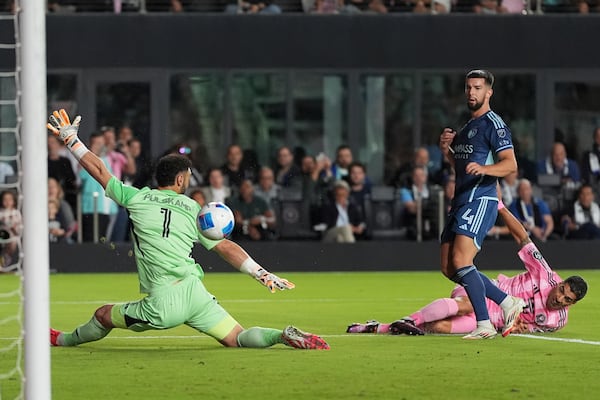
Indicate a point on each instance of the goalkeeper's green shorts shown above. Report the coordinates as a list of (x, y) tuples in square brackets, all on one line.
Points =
[(185, 302)]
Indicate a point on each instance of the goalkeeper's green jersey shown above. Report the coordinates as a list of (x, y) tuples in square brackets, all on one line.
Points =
[(164, 230)]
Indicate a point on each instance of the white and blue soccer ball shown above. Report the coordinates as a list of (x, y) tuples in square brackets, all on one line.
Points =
[(216, 221)]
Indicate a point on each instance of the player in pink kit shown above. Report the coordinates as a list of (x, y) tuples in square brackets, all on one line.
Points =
[(546, 295)]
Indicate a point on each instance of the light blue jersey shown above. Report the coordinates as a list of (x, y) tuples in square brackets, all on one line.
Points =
[(480, 140)]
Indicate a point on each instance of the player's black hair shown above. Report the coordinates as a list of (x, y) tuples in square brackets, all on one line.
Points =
[(482, 73), (578, 286), (169, 167)]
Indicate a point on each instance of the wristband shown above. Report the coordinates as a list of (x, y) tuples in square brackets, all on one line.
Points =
[(77, 147), (249, 266), (500, 205)]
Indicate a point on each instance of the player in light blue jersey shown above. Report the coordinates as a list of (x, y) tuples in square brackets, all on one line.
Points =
[(164, 230), (481, 153)]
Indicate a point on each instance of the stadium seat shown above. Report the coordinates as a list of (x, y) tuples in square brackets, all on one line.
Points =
[(383, 211), (293, 215)]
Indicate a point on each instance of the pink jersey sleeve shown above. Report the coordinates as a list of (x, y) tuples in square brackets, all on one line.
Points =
[(534, 262)]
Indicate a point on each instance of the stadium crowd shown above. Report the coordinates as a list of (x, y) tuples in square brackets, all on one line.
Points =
[(318, 197), (321, 6)]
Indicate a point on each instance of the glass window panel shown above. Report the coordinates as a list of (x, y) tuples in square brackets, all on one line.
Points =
[(258, 102), (576, 115), (62, 92), (119, 103), (8, 117), (399, 103), (320, 112), (197, 115)]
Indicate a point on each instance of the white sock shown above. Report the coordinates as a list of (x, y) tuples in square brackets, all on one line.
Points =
[(507, 302), (485, 324)]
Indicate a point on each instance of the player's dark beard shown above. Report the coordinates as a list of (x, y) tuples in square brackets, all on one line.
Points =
[(475, 106)]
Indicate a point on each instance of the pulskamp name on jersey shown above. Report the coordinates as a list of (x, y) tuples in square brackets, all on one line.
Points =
[(462, 151), (167, 200)]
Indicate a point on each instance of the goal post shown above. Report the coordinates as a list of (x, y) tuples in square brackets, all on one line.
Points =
[(32, 118)]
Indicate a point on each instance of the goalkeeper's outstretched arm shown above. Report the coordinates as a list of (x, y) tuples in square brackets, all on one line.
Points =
[(237, 257), (61, 127)]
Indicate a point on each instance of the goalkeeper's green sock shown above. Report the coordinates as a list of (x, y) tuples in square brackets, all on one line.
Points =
[(259, 337), (89, 332)]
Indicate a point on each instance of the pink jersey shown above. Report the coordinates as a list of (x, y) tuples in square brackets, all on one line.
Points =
[(532, 286), (117, 161)]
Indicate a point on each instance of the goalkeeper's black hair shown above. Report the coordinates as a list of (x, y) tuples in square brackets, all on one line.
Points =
[(578, 286), (169, 167)]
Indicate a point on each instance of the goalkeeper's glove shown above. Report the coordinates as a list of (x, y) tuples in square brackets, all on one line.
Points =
[(66, 131), (271, 281)]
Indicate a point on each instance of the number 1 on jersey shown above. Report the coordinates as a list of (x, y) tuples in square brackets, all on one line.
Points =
[(166, 221)]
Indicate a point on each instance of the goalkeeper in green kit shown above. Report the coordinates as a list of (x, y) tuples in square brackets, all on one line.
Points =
[(164, 230)]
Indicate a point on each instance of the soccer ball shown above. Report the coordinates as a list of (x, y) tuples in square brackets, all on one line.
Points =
[(215, 221)]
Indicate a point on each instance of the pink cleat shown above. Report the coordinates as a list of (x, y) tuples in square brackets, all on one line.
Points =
[(294, 337), (54, 334)]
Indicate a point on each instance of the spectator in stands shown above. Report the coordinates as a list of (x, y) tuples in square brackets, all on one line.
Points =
[(198, 195), (92, 195), (143, 167), (232, 169), (418, 194), (424, 7), (326, 6), (287, 172), (253, 218), (342, 217), (360, 186), (316, 184), (124, 135), (508, 187), (402, 177), (534, 213), (120, 158), (586, 6), (121, 163), (253, 7), (449, 186), (590, 162), (64, 214), (488, 7), (11, 225), (514, 6), (441, 7), (216, 190), (558, 164), (56, 232), (343, 159), (266, 187), (366, 6), (60, 168), (582, 219)]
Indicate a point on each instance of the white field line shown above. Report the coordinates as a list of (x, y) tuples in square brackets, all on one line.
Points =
[(273, 300), (195, 337)]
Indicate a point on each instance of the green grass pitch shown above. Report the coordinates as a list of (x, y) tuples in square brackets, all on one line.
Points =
[(182, 364)]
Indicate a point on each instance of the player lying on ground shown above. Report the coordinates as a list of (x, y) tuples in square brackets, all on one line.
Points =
[(546, 295), (164, 230)]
